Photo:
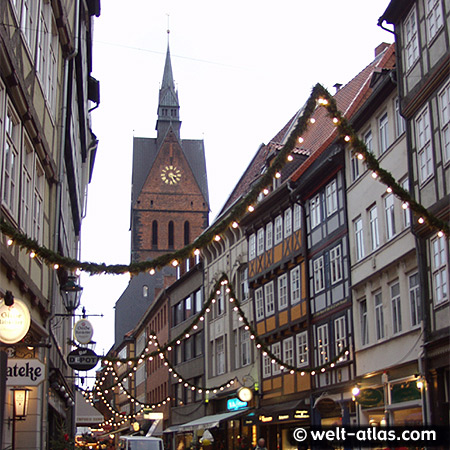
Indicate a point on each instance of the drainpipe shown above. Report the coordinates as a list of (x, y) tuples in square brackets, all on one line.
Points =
[(64, 116)]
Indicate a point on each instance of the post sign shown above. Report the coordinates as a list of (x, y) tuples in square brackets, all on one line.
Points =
[(83, 331), (14, 321), (24, 372), (82, 359)]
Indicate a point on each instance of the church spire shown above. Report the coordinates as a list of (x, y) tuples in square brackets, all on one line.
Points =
[(169, 107)]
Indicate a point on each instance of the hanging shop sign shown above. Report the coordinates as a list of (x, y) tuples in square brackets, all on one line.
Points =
[(82, 359), (83, 331), (24, 372), (245, 394), (14, 321), (234, 404)]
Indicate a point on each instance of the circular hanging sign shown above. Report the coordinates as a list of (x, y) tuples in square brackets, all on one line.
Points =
[(83, 331), (15, 321), (82, 359), (245, 394)]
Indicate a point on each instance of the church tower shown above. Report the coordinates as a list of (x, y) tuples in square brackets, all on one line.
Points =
[(170, 204)]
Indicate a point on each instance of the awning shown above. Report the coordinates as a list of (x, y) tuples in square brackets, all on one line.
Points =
[(285, 407), (173, 429), (210, 421)]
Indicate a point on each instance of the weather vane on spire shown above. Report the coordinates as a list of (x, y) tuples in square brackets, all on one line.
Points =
[(168, 25)]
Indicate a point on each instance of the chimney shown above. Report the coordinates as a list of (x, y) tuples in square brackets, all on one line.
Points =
[(337, 86), (381, 48)]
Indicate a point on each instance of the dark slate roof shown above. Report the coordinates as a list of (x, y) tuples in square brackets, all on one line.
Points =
[(131, 305), (144, 154)]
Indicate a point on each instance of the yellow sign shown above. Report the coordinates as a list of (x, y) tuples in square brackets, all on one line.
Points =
[(153, 415), (283, 417), (301, 414), (265, 418), (14, 321)]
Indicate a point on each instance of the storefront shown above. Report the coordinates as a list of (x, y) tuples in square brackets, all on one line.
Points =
[(395, 402), (278, 422), (228, 431)]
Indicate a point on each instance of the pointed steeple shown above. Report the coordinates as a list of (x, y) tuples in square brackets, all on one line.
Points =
[(169, 107)]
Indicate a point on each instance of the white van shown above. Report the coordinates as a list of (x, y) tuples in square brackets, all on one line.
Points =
[(140, 443)]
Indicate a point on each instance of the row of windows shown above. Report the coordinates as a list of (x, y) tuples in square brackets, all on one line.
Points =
[(170, 234), (158, 394), (319, 209), (189, 348), (22, 175), (326, 267), (242, 351), (274, 232), (288, 285), (185, 395), (38, 27), (424, 138), (294, 350), (370, 228), (383, 138), (288, 352), (187, 307), (165, 112), (158, 321), (434, 22), (397, 317)]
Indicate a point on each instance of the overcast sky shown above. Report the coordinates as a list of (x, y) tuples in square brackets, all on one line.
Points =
[(242, 68)]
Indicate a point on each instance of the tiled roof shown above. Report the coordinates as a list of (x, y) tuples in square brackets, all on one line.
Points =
[(318, 136), (349, 99), (254, 169)]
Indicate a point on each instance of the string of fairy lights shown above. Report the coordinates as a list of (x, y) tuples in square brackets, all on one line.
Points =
[(132, 364), (320, 97)]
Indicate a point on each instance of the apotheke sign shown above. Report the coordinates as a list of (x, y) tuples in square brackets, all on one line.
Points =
[(24, 372)]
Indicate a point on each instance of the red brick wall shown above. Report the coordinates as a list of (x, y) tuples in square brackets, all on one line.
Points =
[(166, 202)]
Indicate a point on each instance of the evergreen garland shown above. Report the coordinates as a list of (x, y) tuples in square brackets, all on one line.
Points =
[(318, 95)]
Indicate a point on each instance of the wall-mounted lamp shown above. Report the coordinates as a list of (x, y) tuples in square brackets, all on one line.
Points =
[(420, 382), (20, 409), (20, 403)]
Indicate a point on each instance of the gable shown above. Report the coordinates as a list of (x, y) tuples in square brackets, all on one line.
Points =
[(170, 174)]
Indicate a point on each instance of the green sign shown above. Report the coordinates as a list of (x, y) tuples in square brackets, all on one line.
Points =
[(370, 398), (405, 392)]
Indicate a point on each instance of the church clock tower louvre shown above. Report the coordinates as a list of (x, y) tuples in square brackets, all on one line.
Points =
[(169, 200)]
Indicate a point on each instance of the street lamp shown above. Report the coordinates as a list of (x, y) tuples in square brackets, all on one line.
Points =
[(20, 409), (71, 293)]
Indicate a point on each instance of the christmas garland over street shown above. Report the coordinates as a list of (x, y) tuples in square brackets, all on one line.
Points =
[(319, 97)]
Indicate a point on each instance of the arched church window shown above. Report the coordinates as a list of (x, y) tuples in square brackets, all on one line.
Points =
[(155, 234), (171, 234), (187, 233)]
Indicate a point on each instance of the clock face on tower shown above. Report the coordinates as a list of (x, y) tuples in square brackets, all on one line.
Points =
[(171, 175)]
